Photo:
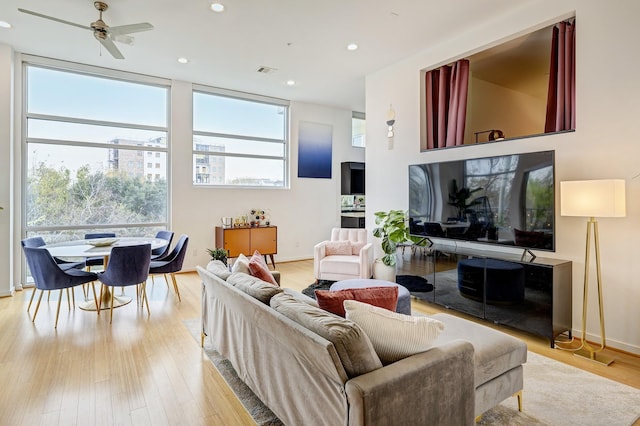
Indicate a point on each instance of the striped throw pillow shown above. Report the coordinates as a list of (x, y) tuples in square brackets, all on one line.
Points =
[(393, 336)]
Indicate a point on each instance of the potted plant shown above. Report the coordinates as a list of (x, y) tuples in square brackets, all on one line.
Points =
[(392, 230), (218, 254), (458, 198)]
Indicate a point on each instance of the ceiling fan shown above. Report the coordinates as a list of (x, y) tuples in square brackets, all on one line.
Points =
[(101, 31)]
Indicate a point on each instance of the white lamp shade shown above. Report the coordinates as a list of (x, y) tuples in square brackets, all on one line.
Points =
[(593, 198)]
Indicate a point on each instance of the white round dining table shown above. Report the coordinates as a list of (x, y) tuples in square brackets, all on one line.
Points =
[(92, 248)]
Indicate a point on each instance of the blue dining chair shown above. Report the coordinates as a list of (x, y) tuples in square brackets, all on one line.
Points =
[(159, 253), (48, 276), (128, 265), (96, 260), (63, 264), (171, 263)]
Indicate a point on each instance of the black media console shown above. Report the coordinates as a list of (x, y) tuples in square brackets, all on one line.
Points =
[(528, 294)]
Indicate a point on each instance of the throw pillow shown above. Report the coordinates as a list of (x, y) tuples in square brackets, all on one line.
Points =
[(254, 286), (241, 264), (394, 336), (382, 297), (218, 269), (356, 247), (337, 248), (258, 268), (352, 345)]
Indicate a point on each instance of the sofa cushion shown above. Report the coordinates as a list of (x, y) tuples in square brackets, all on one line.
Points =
[(241, 264), (382, 297), (219, 269), (301, 297), (258, 268), (253, 286), (337, 248), (495, 352), (351, 343), (343, 265), (394, 336)]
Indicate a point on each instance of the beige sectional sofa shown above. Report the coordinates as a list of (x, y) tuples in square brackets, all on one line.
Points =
[(311, 367)]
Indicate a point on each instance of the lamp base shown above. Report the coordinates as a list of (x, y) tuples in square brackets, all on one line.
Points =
[(594, 356)]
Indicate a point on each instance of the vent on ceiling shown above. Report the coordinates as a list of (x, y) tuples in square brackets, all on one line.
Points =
[(266, 70)]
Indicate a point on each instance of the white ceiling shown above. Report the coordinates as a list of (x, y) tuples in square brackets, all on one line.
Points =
[(305, 41)]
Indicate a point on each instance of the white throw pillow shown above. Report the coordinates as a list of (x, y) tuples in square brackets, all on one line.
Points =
[(394, 336), (241, 264)]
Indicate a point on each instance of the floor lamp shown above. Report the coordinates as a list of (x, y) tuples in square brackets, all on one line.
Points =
[(593, 198)]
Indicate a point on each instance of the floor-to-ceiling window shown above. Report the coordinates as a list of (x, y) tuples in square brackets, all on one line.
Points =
[(95, 151)]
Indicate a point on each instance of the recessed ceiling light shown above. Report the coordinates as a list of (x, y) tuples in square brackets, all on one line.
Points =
[(217, 7), (291, 82), (183, 60), (352, 46), (5, 24)]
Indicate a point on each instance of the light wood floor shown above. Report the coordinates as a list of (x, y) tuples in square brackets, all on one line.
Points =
[(147, 370)]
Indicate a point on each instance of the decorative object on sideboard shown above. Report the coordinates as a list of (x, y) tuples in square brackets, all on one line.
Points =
[(259, 217), (494, 135), (593, 198)]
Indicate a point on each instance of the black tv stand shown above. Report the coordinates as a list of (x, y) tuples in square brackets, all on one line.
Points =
[(532, 295)]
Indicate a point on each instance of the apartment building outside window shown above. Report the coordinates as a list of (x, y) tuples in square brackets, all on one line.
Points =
[(86, 131), (244, 136)]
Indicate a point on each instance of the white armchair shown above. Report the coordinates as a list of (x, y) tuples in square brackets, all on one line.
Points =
[(346, 255)]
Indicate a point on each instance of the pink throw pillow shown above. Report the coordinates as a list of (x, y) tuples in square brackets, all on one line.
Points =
[(338, 248), (259, 269), (356, 247), (382, 297)]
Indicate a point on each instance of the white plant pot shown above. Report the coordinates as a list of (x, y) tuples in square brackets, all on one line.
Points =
[(384, 272)]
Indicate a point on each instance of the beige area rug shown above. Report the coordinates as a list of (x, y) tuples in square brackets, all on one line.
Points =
[(555, 394)]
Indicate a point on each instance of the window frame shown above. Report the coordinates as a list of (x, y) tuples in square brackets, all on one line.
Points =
[(92, 71), (285, 158), (355, 115)]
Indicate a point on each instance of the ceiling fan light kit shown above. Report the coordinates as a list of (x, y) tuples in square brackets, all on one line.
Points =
[(101, 31)]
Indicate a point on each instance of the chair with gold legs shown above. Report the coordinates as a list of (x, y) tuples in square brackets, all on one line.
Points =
[(48, 276), (171, 263), (128, 265)]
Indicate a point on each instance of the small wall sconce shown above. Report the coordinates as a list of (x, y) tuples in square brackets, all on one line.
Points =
[(391, 119), (494, 135)]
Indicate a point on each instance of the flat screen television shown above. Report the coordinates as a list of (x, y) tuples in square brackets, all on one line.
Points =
[(505, 200)]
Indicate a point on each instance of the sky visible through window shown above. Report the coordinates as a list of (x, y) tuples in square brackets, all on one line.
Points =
[(79, 96), (128, 105), (247, 123)]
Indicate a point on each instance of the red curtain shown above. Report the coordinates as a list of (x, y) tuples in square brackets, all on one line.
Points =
[(446, 102), (561, 98)]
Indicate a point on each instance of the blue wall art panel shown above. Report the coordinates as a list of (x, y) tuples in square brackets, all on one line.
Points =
[(314, 150)]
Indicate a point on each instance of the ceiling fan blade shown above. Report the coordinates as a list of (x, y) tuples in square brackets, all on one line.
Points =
[(111, 47), (131, 28), (40, 15), (124, 39)]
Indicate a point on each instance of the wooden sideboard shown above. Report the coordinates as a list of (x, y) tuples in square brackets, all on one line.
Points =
[(247, 240)]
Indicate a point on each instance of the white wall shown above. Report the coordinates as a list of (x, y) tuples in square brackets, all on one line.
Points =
[(491, 106), (304, 214), (604, 145)]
